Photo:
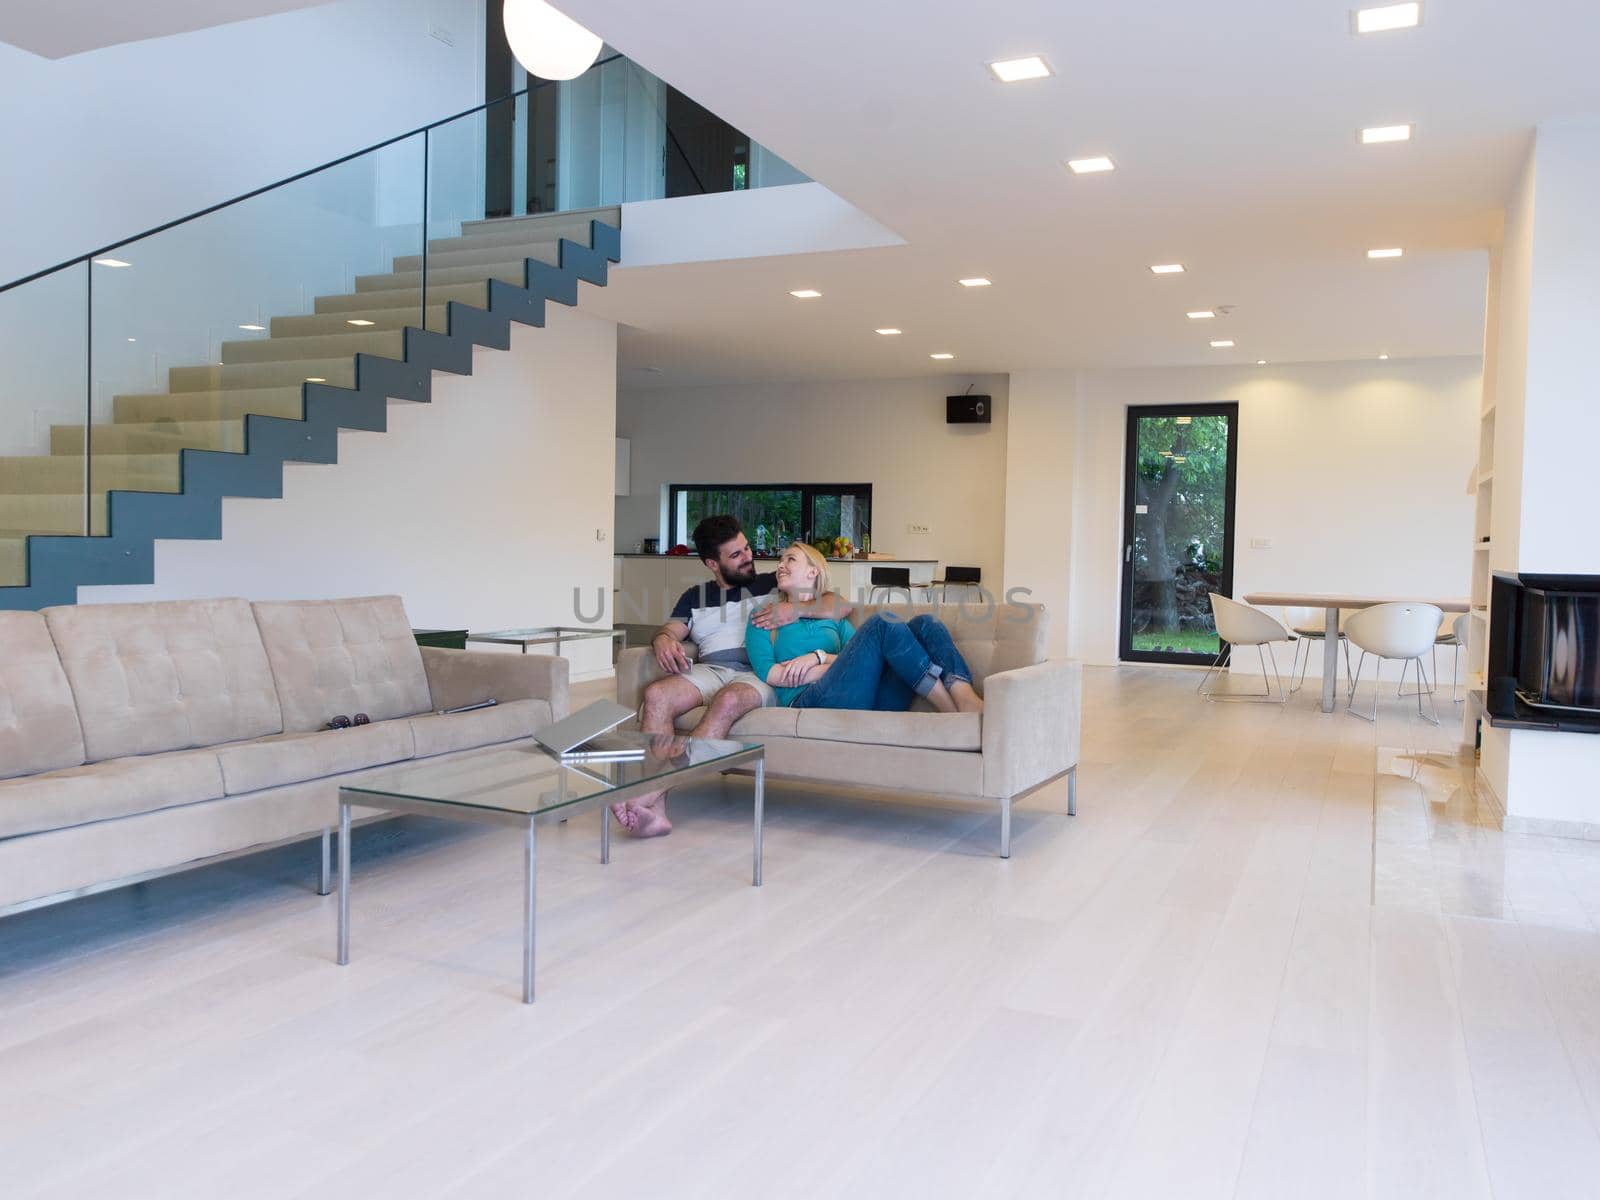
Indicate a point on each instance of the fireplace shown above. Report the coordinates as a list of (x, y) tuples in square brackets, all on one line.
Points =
[(1543, 667)]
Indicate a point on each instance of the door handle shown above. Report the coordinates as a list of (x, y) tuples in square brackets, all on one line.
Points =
[(1128, 555)]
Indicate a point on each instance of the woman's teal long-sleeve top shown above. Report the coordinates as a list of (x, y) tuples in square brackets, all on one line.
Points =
[(767, 648)]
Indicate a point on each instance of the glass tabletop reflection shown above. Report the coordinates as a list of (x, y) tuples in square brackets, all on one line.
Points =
[(526, 778)]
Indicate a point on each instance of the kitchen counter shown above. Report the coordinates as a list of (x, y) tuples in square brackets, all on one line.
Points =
[(874, 561), (646, 586)]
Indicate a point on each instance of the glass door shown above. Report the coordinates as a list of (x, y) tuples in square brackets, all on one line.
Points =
[(1180, 474)]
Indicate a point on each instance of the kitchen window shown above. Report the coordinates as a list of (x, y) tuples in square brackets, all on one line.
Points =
[(774, 514)]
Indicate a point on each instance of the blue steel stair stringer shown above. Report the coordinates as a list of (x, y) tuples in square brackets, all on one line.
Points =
[(58, 565)]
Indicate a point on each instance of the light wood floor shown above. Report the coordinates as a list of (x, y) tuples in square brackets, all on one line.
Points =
[(1277, 955)]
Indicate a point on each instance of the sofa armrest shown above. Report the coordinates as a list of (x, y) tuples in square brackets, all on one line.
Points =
[(1030, 725), (457, 677), (637, 669)]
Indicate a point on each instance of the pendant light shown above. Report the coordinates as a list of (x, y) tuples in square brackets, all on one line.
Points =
[(548, 43)]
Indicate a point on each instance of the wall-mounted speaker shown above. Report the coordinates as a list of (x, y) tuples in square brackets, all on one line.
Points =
[(967, 410)]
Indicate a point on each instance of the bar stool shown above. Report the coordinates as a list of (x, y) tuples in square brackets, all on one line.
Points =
[(962, 577), (890, 580)]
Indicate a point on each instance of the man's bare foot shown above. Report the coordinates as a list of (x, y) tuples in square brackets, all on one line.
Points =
[(940, 698), (966, 698), (623, 811)]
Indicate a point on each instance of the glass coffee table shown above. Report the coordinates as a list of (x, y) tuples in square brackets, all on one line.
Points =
[(550, 635), (515, 785)]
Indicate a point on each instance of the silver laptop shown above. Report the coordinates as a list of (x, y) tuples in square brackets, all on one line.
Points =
[(567, 736)]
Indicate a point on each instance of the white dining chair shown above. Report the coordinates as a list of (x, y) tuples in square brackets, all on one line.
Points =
[(1452, 633), (1240, 625), (1399, 632), (1310, 626)]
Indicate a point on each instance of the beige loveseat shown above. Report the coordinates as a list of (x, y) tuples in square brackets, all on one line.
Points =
[(137, 739), (1026, 736)]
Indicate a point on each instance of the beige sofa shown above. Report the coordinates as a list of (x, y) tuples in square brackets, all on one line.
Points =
[(1026, 736), (137, 739)]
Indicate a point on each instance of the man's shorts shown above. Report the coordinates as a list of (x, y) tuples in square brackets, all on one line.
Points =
[(711, 678)]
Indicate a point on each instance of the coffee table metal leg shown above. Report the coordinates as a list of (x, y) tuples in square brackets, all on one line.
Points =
[(527, 945), (605, 833), (761, 782), (344, 883)]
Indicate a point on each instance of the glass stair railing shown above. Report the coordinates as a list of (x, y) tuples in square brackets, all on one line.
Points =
[(143, 382)]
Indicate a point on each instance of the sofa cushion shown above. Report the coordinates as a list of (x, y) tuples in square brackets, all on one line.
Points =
[(440, 733), (295, 757), (163, 676), (38, 721), (340, 657), (777, 721), (920, 730), (104, 790), (992, 637)]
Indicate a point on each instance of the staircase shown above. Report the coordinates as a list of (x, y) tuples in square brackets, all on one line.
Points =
[(161, 467)]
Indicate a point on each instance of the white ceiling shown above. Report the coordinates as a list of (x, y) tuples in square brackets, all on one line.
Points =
[(1234, 126), (58, 28)]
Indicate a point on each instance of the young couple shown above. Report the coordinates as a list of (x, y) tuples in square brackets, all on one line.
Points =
[(783, 639)]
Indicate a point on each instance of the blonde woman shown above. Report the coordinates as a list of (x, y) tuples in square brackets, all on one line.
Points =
[(884, 665)]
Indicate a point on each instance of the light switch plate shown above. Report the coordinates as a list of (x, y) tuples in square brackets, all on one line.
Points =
[(1261, 543)]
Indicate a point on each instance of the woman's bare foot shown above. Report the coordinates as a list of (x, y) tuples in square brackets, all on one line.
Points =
[(941, 699), (966, 698), (652, 823), (645, 816)]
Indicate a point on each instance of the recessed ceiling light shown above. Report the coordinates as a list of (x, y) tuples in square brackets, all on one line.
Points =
[(315, 379), (1224, 344), (975, 281), (1389, 252), (1385, 133), (1182, 420), (1089, 166), (1383, 358), (1015, 70), (887, 332), (359, 321), (1167, 269), (941, 355), (111, 262), (1180, 458), (133, 339), (1261, 362), (805, 294), (1390, 16), (1203, 314), (254, 328)]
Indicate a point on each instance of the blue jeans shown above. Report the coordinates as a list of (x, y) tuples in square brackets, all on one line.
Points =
[(886, 664)]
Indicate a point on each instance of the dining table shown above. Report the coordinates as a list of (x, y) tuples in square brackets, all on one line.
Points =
[(1331, 604)]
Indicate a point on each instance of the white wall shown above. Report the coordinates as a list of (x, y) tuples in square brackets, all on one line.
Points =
[(889, 433), (1042, 474), (1545, 421), (480, 509), (103, 145), (1356, 471), (1561, 423)]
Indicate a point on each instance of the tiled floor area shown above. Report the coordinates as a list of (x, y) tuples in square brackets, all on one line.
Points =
[(1278, 954)]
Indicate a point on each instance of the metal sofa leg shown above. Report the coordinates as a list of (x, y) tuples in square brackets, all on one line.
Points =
[(1005, 827), (1072, 791), (325, 874)]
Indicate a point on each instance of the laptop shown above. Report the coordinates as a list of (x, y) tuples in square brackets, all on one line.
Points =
[(567, 737)]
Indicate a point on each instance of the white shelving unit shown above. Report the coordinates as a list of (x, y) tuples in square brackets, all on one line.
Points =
[(1482, 558)]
